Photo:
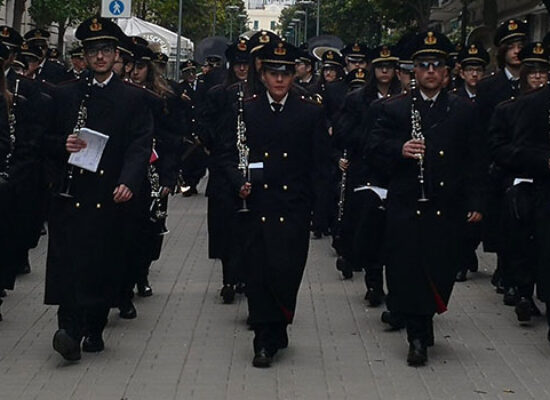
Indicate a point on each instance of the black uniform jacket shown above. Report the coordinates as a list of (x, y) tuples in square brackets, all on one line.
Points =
[(422, 238), (84, 251)]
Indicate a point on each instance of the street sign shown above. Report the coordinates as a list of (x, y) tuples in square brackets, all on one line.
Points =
[(116, 8)]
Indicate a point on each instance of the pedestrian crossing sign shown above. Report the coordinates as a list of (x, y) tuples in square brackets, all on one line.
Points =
[(116, 8)]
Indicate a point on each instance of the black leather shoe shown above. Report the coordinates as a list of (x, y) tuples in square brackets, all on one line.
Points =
[(393, 320), (317, 235), (3, 293), (340, 263), (511, 296), (144, 290), (375, 297), (228, 294), (418, 354), (535, 311), (240, 288), (93, 344), (128, 311), (523, 310), (65, 345), (262, 359), (461, 276), (24, 268)]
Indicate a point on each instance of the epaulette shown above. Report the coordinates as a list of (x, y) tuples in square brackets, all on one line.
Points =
[(315, 99), (489, 77), (252, 98), (148, 91), (507, 101), (534, 90), (396, 97)]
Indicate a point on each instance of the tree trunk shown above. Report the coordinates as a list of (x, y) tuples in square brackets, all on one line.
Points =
[(61, 33), (18, 10), (490, 14), (423, 9)]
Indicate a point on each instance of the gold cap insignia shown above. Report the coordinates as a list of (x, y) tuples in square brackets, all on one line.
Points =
[(473, 50), (96, 26), (512, 25), (242, 46), (356, 48), (280, 50), (385, 52), (264, 38), (330, 55), (430, 39), (538, 49), (24, 46), (5, 32), (360, 74)]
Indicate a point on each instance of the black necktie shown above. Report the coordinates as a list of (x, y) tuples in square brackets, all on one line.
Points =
[(429, 103), (277, 107), (515, 86)]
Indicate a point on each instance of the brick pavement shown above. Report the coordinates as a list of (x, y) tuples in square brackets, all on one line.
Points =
[(186, 344)]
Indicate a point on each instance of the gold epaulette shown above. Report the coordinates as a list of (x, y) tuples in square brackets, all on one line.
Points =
[(315, 99)]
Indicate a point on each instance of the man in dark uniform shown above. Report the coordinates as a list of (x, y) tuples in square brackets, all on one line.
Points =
[(46, 70), (288, 145), (472, 59), (509, 39), (78, 65), (85, 247), (305, 72), (424, 214), (355, 56)]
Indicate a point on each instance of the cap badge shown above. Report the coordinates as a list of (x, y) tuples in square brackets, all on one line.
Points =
[(430, 39), (5, 32), (385, 52), (96, 26), (356, 48), (264, 38), (512, 25), (538, 49), (360, 74), (24, 46), (473, 50), (242, 46), (280, 50), (330, 55)]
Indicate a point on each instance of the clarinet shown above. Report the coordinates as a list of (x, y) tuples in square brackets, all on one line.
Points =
[(12, 122), (242, 147), (342, 199), (80, 123), (416, 133), (156, 213)]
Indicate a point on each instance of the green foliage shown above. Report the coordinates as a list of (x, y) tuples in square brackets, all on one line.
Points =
[(64, 12)]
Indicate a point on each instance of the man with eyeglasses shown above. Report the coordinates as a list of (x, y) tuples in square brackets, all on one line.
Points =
[(45, 70), (84, 261), (509, 40), (355, 55), (473, 60), (424, 216)]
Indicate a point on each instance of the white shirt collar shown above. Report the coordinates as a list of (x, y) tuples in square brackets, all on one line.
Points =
[(425, 98), (7, 71), (42, 64), (470, 94), (380, 95), (509, 75), (306, 80), (105, 82), (271, 100)]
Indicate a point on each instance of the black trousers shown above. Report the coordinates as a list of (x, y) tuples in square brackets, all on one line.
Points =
[(82, 321), (419, 327)]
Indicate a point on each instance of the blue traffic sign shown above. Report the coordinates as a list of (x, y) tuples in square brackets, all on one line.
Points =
[(116, 7)]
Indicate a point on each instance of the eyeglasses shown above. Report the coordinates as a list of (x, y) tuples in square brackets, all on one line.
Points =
[(471, 70), (427, 64), (534, 73), (105, 50)]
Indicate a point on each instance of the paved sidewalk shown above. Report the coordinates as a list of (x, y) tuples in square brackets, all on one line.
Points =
[(186, 344)]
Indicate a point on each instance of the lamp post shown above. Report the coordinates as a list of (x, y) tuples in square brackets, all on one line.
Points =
[(242, 18), (300, 13), (306, 4), (318, 17), (229, 10), (298, 22), (292, 26), (178, 41)]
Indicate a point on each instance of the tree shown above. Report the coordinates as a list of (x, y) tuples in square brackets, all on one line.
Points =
[(64, 13), (405, 13)]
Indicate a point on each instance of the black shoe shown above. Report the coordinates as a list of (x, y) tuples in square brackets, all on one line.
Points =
[(25, 267), (240, 287), (461, 276), (418, 354), (190, 192), (511, 296), (262, 359), (347, 274), (393, 320), (474, 265), (144, 290), (496, 278), (317, 235), (65, 345), (228, 294), (93, 344), (128, 311), (375, 297), (3, 293), (523, 310), (340, 263)]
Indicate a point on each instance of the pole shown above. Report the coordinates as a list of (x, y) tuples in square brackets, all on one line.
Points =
[(305, 29), (230, 27), (318, 17), (178, 42), (214, 19), (464, 22)]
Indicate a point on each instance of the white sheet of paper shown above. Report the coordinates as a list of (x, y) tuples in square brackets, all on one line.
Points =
[(517, 181), (256, 165), (89, 157), (381, 192)]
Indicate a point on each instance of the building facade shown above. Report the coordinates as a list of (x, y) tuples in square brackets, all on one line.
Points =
[(265, 14)]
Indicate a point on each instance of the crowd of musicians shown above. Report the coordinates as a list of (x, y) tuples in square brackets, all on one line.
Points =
[(408, 156)]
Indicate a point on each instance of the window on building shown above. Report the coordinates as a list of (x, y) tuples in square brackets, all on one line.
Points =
[(256, 25), (272, 25)]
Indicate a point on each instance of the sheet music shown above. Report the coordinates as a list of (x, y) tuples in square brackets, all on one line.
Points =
[(90, 157)]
